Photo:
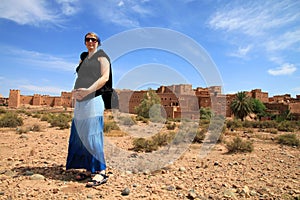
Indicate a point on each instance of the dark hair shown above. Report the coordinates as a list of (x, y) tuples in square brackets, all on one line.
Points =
[(95, 35)]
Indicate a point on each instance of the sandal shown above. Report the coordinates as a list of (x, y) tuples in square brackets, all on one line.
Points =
[(97, 180), (82, 176)]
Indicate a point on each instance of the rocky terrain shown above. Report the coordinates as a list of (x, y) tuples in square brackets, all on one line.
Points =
[(32, 166)]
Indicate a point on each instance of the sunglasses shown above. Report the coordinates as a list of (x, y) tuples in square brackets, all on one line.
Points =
[(91, 39)]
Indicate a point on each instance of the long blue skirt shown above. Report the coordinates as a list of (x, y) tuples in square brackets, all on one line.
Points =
[(86, 143)]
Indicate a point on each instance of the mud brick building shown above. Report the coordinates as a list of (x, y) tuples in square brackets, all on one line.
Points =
[(3, 100), (177, 101), (16, 100), (282, 103)]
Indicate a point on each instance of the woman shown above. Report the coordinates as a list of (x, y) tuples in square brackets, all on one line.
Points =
[(85, 149)]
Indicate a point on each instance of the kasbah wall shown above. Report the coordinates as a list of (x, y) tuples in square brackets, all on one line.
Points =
[(16, 100), (177, 100)]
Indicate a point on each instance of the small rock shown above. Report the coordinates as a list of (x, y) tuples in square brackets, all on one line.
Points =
[(296, 191), (182, 169), (128, 172), (29, 173), (224, 184), (170, 188), (246, 191), (125, 192), (179, 187), (55, 190), (192, 194), (37, 177), (9, 173), (229, 194), (253, 193), (147, 172), (24, 136)]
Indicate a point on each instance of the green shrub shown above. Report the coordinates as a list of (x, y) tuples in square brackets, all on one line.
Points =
[(200, 135), (237, 145), (234, 124), (287, 126), (171, 126), (61, 120), (109, 126), (22, 130), (153, 143), (36, 115), (47, 117), (2, 110), (36, 128), (127, 121), (162, 139), (11, 119), (157, 119), (142, 144), (273, 131), (288, 139), (143, 119), (267, 124), (204, 122), (247, 124), (248, 130)]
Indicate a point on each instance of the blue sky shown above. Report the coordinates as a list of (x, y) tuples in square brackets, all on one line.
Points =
[(252, 44)]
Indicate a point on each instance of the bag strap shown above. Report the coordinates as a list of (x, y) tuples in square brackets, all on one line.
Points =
[(83, 55)]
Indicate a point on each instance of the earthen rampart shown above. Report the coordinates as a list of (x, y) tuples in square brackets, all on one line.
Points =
[(16, 100), (177, 100)]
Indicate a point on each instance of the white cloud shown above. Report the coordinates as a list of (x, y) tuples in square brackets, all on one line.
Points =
[(27, 12), (242, 52), (121, 3), (37, 12), (68, 7), (271, 27), (276, 59), (38, 59), (286, 69), (124, 13), (140, 10), (41, 89), (255, 17), (284, 41)]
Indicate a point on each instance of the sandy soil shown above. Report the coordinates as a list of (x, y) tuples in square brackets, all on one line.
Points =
[(32, 166)]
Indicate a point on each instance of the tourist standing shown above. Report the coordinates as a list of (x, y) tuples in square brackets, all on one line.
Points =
[(86, 145)]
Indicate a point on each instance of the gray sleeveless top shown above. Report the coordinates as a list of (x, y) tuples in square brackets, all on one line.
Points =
[(89, 72)]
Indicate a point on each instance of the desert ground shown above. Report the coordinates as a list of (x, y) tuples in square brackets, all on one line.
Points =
[(32, 166)]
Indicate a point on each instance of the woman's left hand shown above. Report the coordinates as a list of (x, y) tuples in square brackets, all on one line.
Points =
[(80, 93)]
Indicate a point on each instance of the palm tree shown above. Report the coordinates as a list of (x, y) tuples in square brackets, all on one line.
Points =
[(242, 105)]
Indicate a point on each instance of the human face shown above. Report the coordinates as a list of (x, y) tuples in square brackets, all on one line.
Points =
[(91, 42)]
